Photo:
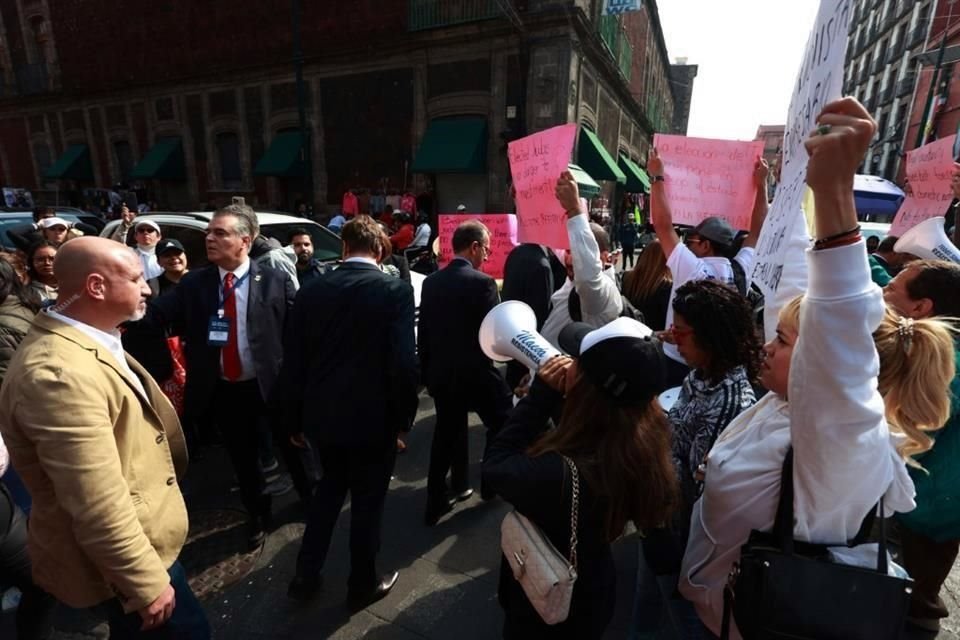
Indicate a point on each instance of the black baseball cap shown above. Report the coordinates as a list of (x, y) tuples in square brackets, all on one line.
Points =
[(169, 244), (716, 230), (623, 358)]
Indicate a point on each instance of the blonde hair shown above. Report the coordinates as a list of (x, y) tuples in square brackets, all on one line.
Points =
[(917, 364)]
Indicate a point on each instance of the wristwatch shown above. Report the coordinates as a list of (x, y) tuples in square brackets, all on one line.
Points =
[(657, 178)]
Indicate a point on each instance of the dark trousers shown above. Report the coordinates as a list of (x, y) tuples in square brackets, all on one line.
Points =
[(627, 254), (928, 562), (365, 473), (238, 407), (107, 619), (240, 414), (15, 568), (449, 451)]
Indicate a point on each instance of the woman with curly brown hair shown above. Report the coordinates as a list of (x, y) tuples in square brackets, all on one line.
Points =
[(714, 331)]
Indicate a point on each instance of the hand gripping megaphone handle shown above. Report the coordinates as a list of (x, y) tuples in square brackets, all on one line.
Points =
[(509, 332)]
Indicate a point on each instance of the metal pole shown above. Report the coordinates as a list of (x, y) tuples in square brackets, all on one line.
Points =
[(921, 134), (302, 108)]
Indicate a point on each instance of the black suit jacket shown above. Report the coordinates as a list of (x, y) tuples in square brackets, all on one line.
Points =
[(349, 373), (186, 310), (453, 304)]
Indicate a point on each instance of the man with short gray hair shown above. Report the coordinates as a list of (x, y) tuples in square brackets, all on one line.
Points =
[(231, 315)]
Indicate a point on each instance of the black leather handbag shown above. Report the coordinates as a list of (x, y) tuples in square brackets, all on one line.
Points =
[(783, 588)]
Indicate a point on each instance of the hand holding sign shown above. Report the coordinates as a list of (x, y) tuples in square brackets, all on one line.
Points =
[(836, 149), (837, 146), (568, 193)]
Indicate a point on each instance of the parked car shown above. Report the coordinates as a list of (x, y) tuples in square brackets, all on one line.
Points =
[(92, 219)]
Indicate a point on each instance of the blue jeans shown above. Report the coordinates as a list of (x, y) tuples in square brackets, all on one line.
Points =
[(108, 621)]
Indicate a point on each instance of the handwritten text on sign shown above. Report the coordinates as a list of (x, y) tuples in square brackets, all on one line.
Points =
[(536, 162), (503, 238), (780, 269), (929, 170), (707, 177)]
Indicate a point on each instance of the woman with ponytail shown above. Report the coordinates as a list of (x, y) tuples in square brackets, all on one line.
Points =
[(852, 419)]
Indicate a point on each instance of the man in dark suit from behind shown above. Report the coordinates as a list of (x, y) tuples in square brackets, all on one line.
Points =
[(349, 381), (453, 304), (231, 315)]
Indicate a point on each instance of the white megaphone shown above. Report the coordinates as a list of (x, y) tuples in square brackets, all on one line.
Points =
[(509, 332), (928, 240)]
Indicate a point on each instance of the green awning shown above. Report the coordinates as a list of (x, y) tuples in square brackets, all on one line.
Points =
[(284, 158), (453, 145), (164, 161), (74, 164), (595, 160), (585, 184), (637, 179)]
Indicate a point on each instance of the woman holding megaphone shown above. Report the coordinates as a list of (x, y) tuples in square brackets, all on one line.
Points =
[(849, 419), (607, 462)]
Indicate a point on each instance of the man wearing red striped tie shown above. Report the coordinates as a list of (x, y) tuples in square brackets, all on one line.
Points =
[(231, 315)]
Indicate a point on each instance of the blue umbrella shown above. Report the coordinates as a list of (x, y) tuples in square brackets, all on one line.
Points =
[(876, 196)]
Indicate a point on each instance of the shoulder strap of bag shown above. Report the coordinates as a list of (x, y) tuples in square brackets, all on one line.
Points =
[(783, 525), (574, 510)]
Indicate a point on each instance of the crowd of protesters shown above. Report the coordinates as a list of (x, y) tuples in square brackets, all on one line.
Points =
[(116, 356)]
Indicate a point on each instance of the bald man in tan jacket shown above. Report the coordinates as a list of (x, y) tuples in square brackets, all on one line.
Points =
[(100, 449)]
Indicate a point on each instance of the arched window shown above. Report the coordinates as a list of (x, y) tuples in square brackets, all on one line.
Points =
[(228, 152)]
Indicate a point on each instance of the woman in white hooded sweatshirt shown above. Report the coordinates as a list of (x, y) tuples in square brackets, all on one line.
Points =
[(825, 398)]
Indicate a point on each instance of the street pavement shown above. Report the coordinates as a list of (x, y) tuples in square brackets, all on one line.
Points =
[(448, 573)]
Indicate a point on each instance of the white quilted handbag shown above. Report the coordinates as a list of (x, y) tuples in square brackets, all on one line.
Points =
[(546, 576)]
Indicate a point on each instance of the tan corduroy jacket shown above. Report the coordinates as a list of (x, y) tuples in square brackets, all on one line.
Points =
[(101, 463)]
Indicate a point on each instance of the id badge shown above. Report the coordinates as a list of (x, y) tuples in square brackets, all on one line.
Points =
[(218, 332)]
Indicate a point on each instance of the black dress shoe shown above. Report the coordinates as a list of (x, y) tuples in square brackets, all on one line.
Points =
[(436, 510), (303, 588), (362, 600), (463, 495)]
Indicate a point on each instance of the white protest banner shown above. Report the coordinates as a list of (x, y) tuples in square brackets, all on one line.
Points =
[(781, 268), (929, 173)]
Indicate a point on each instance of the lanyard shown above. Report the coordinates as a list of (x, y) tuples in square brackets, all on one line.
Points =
[(226, 293)]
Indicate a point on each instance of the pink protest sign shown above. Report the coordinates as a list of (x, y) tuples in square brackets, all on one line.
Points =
[(706, 177), (536, 162), (929, 170), (503, 238)]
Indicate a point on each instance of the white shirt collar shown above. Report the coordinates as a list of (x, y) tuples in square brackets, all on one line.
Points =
[(238, 273), (150, 251), (362, 259), (110, 340)]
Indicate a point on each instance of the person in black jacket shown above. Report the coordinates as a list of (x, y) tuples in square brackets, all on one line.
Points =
[(453, 303), (615, 432), (349, 378), (231, 315)]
